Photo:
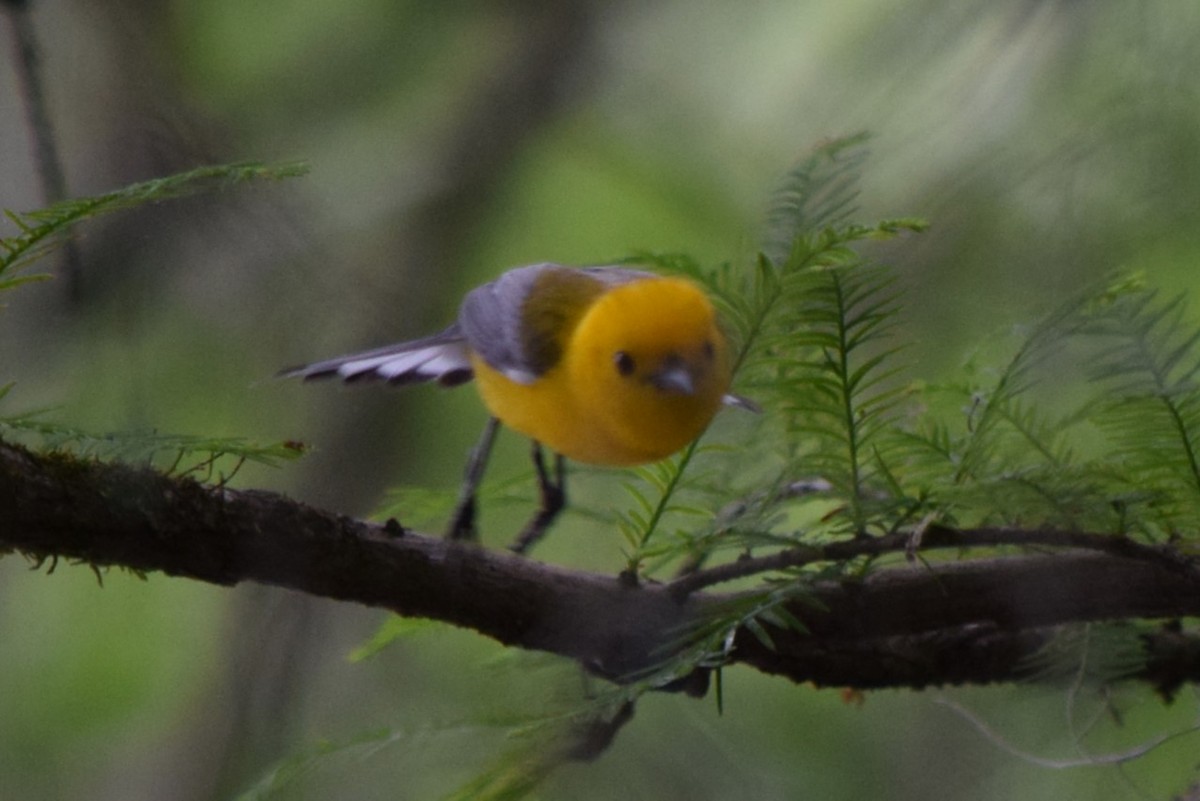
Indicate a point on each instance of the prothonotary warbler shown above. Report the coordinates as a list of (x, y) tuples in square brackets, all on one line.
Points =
[(603, 365)]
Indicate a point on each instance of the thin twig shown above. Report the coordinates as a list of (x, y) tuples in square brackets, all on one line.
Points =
[(1114, 758), (932, 537)]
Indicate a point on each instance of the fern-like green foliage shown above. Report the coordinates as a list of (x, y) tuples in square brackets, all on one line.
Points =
[(1121, 457), (834, 377), (1091, 421), (1148, 371), (817, 194), (39, 230), (39, 233), (202, 457), (981, 451), (810, 319)]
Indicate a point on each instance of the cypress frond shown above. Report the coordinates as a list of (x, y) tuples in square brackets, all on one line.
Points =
[(818, 192), (808, 322), (40, 229), (179, 454), (1148, 372), (833, 381)]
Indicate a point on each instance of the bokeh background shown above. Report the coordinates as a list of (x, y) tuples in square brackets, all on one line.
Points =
[(1048, 143)]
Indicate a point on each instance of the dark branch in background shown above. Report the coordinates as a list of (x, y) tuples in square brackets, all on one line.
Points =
[(45, 147), (913, 625)]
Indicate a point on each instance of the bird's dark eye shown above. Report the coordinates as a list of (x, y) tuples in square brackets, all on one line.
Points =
[(624, 363), (709, 351)]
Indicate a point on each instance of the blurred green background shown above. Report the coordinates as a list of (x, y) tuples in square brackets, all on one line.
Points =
[(1048, 143)]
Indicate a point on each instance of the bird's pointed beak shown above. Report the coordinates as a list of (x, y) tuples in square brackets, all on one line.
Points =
[(675, 379)]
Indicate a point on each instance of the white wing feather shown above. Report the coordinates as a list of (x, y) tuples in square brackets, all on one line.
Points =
[(443, 358)]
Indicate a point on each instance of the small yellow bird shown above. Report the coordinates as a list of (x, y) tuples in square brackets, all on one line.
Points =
[(603, 365)]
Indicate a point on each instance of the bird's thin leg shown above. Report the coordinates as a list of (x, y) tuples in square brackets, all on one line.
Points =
[(554, 498), (462, 524)]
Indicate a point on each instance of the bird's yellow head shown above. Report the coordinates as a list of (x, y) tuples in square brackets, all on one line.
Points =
[(649, 362)]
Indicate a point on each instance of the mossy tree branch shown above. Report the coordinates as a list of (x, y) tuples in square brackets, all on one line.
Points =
[(909, 625)]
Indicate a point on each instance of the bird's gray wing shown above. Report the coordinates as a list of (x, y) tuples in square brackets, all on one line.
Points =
[(520, 331), (443, 358)]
